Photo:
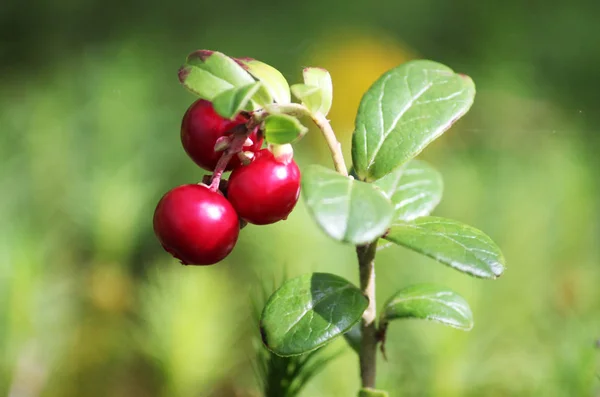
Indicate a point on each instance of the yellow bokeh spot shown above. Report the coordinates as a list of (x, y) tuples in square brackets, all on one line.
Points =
[(355, 61)]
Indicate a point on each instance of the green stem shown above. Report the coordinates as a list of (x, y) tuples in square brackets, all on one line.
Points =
[(365, 253), (297, 109), (368, 347)]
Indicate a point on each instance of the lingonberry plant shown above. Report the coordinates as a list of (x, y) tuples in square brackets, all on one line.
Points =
[(388, 196)]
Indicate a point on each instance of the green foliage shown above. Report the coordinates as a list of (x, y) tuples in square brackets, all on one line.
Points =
[(281, 129), (210, 73), (455, 244), (229, 103), (415, 189), (428, 302), (317, 91), (309, 311), (286, 376), (404, 111), (346, 209), (273, 81)]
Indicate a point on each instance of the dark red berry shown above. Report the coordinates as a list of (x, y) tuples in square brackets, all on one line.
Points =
[(196, 225), (200, 129), (266, 190)]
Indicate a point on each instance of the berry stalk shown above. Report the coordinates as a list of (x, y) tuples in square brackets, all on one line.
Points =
[(239, 136)]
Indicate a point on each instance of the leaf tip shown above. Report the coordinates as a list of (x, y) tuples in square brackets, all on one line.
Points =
[(183, 73), (201, 55), (243, 62)]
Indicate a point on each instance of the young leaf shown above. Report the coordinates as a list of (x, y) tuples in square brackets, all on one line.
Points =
[(272, 79), (317, 91), (346, 209), (308, 312), (415, 189), (404, 111), (229, 103), (450, 242), (310, 95), (319, 77), (282, 129), (428, 302), (209, 73), (368, 392)]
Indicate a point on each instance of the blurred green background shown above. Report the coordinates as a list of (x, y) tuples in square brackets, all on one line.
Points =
[(90, 109)]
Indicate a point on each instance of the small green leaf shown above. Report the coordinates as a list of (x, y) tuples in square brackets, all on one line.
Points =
[(405, 110), (415, 189), (273, 81), (346, 209), (354, 337), (311, 96), (317, 101), (209, 73), (282, 129), (368, 392), (229, 103), (450, 242), (309, 311), (428, 302)]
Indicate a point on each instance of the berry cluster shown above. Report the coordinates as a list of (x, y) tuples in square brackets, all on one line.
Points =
[(199, 223)]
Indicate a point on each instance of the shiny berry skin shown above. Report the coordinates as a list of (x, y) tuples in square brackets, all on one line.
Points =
[(196, 225), (200, 129), (266, 190)]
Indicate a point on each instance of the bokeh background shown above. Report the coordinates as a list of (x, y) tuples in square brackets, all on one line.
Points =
[(90, 109)]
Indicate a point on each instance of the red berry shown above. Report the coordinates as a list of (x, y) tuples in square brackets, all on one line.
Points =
[(200, 129), (196, 225), (266, 190)]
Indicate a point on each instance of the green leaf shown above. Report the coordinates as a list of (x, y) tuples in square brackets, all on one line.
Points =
[(273, 81), (317, 91), (311, 96), (428, 302), (353, 337), (415, 189), (282, 129), (450, 242), (229, 103), (405, 110), (346, 209), (368, 392), (309, 311), (209, 73)]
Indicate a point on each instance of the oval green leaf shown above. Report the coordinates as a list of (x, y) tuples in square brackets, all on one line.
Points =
[(229, 103), (455, 244), (346, 209), (311, 96), (322, 100), (209, 73), (309, 311), (415, 189), (405, 110), (428, 302), (273, 81), (281, 129)]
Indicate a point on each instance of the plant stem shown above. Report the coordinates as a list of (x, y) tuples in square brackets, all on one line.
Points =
[(365, 253), (332, 142), (368, 347), (297, 109)]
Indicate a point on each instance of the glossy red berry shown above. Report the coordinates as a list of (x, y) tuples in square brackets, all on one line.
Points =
[(266, 190), (200, 129), (196, 225)]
